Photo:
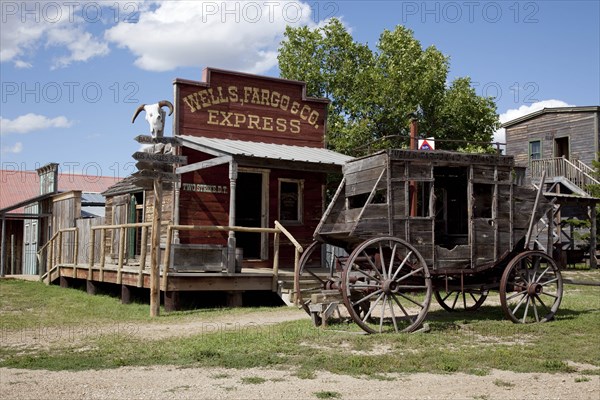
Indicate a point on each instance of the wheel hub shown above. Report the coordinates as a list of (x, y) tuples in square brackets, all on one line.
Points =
[(389, 286), (534, 288)]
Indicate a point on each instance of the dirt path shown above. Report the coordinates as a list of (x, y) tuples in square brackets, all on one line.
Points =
[(216, 383)]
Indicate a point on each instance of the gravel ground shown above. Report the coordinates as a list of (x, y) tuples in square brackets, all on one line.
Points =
[(167, 382)]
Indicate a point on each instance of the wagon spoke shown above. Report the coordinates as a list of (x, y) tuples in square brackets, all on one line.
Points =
[(512, 296), (535, 313), (401, 306), (393, 314), (372, 308), (372, 264), (367, 297), (402, 265), (514, 311), (455, 300), (411, 300), (408, 275), (542, 274), (550, 281), (314, 275), (382, 262), (392, 258), (360, 271), (526, 309), (518, 284), (447, 295), (382, 312), (550, 295), (541, 302), (536, 267)]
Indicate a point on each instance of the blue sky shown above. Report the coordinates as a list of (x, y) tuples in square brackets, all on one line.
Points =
[(72, 73)]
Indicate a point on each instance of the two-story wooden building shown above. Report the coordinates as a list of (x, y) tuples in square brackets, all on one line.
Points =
[(560, 143)]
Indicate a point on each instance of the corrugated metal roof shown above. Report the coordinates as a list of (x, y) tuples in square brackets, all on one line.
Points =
[(18, 186), (87, 198), (269, 150)]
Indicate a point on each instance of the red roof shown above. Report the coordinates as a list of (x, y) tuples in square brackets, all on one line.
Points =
[(18, 186)]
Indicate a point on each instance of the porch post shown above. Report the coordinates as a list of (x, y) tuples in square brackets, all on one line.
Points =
[(233, 172), (593, 263), (3, 245)]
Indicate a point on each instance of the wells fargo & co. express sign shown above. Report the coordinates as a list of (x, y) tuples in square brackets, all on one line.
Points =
[(246, 107)]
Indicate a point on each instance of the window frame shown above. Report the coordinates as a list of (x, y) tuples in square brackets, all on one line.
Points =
[(530, 152), (300, 201)]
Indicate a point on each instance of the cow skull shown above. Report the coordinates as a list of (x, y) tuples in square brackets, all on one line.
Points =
[(155, 115)]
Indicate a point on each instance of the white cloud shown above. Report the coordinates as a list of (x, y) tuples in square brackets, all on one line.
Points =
[(26, 25), (22, 64), (15, 149), (81, 45), (514, 113), (32, 122), (236, 35)]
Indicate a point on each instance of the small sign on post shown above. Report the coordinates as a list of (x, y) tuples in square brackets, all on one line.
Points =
[(426, 144), (159, 158)]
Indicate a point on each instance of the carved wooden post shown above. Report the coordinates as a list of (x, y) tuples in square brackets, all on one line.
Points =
[(155, 253), (231, 243)]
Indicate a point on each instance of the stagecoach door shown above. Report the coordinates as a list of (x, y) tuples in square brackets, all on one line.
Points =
[(251, 211)]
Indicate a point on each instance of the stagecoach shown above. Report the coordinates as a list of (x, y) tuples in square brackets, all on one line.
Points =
[(405, 226)]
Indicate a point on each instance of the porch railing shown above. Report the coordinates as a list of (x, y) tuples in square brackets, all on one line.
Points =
[(56, 255), (561, 167)]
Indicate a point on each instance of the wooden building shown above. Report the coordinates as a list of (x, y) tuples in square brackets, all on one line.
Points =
[(560, 143), (36, 204), (256, 154)]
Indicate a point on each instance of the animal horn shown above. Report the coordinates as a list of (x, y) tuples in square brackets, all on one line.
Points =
[(166, 103), (137, 112)]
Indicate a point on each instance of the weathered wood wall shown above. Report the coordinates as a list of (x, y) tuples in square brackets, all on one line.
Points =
[(85, 228), (66, 208)]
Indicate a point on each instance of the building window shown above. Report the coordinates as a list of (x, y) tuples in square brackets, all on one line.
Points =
[(290, 200), (535, 150)]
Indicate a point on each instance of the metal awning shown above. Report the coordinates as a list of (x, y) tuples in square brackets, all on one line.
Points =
[(268, 154)]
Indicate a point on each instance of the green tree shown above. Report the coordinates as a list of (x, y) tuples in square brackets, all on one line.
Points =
[(372, 92)]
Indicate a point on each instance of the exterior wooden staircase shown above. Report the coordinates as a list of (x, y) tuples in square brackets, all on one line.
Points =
[(575, 176)]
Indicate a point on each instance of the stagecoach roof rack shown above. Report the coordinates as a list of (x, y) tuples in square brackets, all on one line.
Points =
[(445, 156)]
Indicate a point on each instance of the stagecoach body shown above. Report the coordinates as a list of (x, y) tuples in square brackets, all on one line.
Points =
[(417, 224)]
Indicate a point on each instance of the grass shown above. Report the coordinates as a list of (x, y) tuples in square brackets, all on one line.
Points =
[(253, 380), (327, 394), (504, 384), (473, 343)]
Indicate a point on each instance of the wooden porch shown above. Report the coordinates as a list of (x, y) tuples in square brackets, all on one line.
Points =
[(76, 253)]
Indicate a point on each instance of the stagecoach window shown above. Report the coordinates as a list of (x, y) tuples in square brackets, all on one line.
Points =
[(290, 200), (483, 198), (423, 194), (359, 201)]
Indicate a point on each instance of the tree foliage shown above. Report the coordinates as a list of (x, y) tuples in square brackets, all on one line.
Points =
[(372, 93)]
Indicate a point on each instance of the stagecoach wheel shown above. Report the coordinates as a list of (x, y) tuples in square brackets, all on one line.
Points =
[(386, 286), (312, 282), (531, 288), (456, 300)]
